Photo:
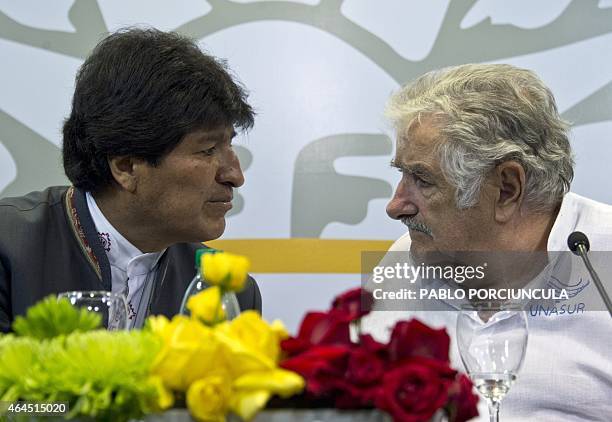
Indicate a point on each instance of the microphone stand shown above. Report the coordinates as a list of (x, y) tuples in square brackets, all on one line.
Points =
[(582, 251)]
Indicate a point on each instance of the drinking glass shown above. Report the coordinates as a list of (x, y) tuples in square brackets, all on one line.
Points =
[(112, 307), (492, 342), (229, 301)]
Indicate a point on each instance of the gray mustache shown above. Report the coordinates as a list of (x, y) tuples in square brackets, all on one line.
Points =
[(415, 225)]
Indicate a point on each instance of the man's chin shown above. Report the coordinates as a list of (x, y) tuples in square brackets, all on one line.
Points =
[(419, 252), (212, 230), (427, 253), (420, 243)]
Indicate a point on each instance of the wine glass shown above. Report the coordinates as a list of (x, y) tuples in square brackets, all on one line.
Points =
[(112, 307), (492, 341)]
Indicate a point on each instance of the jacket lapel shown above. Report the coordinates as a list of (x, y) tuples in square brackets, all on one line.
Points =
[(84, 230)]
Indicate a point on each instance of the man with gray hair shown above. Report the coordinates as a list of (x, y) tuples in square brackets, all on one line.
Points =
[(486, 165), (478, 132)]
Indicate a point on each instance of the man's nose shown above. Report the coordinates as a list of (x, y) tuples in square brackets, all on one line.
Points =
[(230, 171), (402, 204)]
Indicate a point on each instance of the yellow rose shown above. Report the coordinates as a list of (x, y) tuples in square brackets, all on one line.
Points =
[(159, 324), (252, 391), (208, 398), (250, 350), (190, 352), (164, 397), (241, 359), (256, 335), (206, 306), (225, 269), (246, 404), (277, 381)]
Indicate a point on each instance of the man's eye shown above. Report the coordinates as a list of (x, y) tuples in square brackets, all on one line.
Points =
[(209, 151), (418, 180), (421, 182)]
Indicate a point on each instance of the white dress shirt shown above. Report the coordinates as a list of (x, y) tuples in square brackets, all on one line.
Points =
[(567, 372), (130, 268)]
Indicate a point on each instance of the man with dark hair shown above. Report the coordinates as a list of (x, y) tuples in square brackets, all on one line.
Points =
[(148, 149)]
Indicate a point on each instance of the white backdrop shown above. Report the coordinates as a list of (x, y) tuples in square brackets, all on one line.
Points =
[(318, 71)]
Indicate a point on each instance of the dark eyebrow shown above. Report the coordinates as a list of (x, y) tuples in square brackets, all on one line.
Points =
[(216, 137)]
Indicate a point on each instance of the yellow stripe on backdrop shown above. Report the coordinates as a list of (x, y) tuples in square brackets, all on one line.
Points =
[(299, 255)]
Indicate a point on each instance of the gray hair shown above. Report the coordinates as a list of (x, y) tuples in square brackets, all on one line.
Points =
[(488, 114)]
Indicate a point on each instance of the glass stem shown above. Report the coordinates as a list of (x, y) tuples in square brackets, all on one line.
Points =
[(493, 411)]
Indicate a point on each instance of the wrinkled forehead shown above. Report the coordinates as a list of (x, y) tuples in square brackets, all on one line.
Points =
[(418, 140)]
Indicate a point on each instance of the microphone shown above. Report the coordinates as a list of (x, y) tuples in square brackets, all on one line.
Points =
[(578, 243), (578, 240)]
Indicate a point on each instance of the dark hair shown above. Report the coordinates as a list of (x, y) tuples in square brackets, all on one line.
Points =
[(138, 94)]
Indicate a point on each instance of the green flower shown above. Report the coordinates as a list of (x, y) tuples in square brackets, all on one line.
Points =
[(52, 317), (103, 375)]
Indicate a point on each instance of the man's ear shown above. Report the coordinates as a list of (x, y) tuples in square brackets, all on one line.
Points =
[(509, 179), (123, 169)]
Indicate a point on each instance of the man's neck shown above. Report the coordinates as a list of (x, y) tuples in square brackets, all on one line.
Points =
[(121, 213), (527, 242), (531, 233)]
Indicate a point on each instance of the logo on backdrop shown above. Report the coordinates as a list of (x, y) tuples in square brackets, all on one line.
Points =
[(314, 164)]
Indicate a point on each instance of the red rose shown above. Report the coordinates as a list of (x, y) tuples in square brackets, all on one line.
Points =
[(353, 304), (331, 327), (414, 391), (364, 368), (350, 396), (462, 402), (318, 328), (321, 367), (413, 338), (361, 381), (367, 342)]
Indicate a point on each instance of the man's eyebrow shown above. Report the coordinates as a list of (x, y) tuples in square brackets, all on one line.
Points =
[(217, 136), (416, 168)]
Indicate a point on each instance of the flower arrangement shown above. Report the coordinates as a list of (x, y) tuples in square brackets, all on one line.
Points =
[(57, 353), (216, 367), (222, 366), (409, 377)]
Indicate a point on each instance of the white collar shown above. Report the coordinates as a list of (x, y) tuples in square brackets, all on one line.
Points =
[(120, 252), (565, 223)]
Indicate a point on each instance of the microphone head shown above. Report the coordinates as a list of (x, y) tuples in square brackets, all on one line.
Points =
[(576, 239)]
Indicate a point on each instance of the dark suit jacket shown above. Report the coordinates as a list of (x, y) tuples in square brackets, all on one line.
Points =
[(49, 244)]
